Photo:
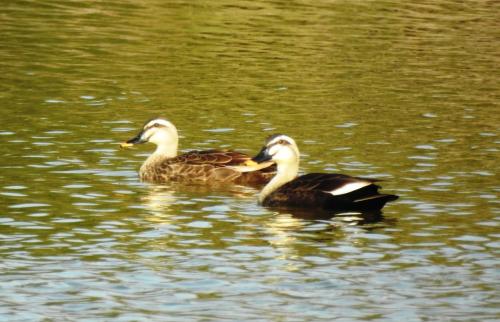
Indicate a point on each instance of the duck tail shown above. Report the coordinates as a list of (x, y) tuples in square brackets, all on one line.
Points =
[(377, 201)]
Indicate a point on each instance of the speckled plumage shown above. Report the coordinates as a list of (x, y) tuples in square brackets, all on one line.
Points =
[(206, 167), (212, 167)]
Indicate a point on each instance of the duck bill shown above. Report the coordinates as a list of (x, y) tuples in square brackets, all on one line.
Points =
[(250, 166), (133, 141), (263, 156)]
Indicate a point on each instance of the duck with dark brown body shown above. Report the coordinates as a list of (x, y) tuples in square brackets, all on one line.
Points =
[(336, 192)]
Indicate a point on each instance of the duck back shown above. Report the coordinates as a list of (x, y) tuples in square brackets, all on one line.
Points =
[(211, 166)]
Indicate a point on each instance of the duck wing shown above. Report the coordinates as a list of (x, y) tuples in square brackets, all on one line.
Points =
[(214, 166), (216, 158), (332, 183)]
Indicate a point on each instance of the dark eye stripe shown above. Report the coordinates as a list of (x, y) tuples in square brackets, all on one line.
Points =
[(283, 142), (154, 125)]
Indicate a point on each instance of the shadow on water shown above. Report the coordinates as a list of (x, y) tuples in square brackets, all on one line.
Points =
[(290, 228), (167, 204), (165, 196), (358, 218), (198, 190)]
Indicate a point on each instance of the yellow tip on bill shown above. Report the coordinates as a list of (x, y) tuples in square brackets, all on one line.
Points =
[(124, 145), (250, 162)]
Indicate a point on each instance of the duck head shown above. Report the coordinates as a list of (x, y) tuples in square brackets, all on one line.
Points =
[(283, 151), (280, 149), (158, 131)]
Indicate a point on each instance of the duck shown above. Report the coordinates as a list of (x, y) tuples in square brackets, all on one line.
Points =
[(207, 167), (322, 191)]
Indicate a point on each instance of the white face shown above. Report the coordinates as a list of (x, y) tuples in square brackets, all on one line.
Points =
[(159, 131), (283, 149)]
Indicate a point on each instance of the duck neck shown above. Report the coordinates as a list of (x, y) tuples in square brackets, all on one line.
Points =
[(286, 172), (162, 152), (165, 151)]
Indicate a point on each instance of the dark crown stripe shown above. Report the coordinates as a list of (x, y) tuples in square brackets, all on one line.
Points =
[(272, 137)]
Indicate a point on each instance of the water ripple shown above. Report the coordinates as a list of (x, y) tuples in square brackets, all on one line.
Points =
[(397, 91)]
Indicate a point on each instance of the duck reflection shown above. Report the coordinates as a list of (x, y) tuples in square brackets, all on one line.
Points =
[(162, 201), (354, 217), (288, 226), (159, 201)]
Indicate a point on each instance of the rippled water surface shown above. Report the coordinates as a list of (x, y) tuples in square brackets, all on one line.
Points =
[(390, 89)]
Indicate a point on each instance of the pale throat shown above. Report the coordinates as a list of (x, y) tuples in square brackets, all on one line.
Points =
[(286, 172), (166, 150), (163, 151)]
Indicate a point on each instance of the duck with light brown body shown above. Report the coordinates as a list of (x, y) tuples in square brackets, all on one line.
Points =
[(205, 167)]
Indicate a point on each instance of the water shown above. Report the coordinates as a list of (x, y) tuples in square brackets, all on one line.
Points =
[(403, 92)]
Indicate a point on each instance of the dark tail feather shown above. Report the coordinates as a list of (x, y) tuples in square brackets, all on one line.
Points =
[(374, 202), (362, 193)]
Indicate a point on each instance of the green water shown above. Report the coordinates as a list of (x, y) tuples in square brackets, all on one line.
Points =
[(403, 92)]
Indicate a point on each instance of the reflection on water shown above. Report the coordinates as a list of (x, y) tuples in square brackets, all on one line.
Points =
[(404, 92), (360, 218), (289, 227)]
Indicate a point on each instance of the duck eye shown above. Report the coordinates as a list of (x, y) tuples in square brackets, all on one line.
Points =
[(156, 125), (281, 142)]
